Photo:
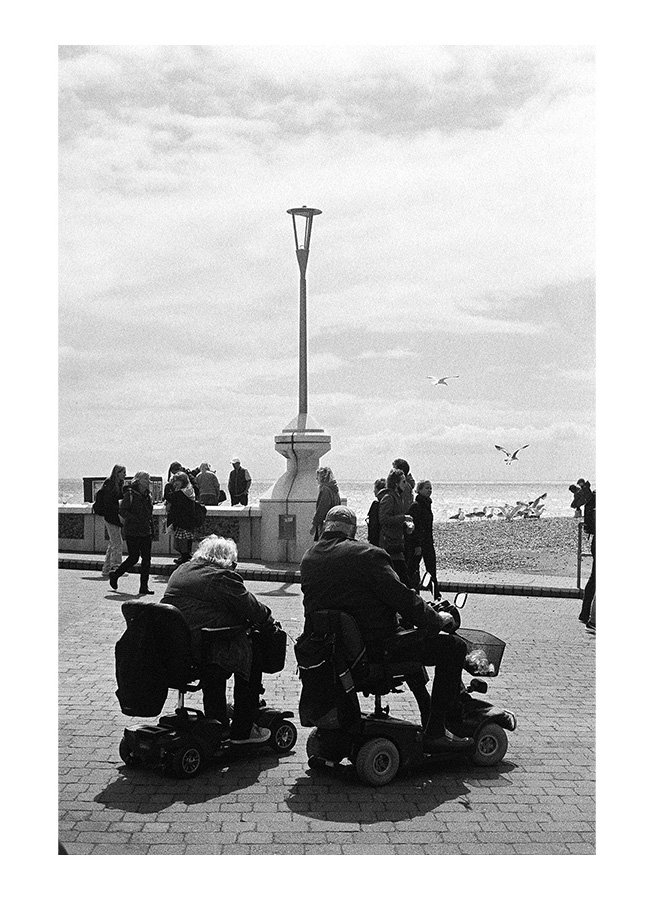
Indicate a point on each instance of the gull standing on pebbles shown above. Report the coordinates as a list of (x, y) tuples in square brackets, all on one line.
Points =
[(511, 457), (443, 380)]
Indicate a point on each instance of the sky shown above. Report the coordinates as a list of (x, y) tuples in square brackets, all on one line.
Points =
[(457, 237)]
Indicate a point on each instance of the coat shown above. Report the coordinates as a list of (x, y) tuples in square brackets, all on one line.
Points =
[(136, 509), (357, 578), (112, 496), (391, 519), (211, 597), (328, 496), (180, 511)]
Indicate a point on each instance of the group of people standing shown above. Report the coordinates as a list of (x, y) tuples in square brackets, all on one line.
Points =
[(128, 510), (400, 520)]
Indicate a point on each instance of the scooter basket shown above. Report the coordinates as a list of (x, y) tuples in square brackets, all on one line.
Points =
[(492, 647)]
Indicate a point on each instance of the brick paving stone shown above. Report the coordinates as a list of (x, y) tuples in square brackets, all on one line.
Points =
[(540, 799)]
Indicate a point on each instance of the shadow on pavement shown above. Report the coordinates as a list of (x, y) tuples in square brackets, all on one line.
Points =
[(338, 795), (281, 591), (149, 791)]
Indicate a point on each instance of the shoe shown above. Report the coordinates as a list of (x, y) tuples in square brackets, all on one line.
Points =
[(112, 578), (144, 591), (178, 561), (446, 742), (257, 736), (590, 628)]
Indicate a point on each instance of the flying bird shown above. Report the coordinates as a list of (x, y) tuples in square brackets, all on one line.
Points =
[(511, 457), (443, 380)]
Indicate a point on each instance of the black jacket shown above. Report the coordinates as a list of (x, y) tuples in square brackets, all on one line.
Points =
[(373, 524), (421, 511), (137, 511), (358, 578), (181, 512), (211, 597), (112, 496)]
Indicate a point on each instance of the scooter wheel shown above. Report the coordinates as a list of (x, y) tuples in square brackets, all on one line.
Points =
[(187, 760), (283, 736), (125, 754), (490, 745), (377, 762)]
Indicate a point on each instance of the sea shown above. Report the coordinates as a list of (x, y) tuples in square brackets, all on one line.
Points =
[(448, 496)]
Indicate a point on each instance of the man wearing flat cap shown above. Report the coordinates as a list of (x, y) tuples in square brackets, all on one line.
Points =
[(239, 483), (341, 573)]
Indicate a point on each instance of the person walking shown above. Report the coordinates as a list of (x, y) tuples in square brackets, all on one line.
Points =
[(112, 492), (208, 486), (136, 510), (420, 544), (589, 529), (328, 496), (239, 483), (181, 515)]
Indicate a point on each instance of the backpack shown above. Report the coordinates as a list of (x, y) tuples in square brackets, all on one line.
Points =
[(329, 658), (99, 506)]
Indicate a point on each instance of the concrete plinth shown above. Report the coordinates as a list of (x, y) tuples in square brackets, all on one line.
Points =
[(287, 508)]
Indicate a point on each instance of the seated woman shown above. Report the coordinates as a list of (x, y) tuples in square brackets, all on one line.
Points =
[(180, 515), (210, 594)]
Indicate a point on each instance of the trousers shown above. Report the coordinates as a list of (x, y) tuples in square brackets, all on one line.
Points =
[(138, 547), (447, 653), (589, 590), (214, 679), (114, 549)]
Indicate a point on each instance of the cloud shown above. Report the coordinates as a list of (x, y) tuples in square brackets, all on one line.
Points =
[(457, 234)]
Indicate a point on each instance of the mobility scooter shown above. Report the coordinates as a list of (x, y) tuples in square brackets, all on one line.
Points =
[(153, 655), (377, 744)]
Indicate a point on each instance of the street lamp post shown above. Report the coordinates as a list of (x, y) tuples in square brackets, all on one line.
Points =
[(287, 508), (302, 217)]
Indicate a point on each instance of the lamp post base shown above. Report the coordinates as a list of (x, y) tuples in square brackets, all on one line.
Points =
[(287, 509)]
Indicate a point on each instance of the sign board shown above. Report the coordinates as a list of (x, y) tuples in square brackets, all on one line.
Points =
[(92, 485), (287, 528)]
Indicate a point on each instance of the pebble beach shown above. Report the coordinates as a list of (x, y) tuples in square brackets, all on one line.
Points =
[(542, 546)]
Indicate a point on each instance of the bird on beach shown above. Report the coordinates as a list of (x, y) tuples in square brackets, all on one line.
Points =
[(459, 515), (511, 457), (442, 380)]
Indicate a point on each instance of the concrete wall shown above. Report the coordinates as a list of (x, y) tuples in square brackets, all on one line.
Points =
[(82, 532)]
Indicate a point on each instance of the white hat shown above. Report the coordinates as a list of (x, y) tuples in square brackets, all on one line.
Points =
[(235, 459)]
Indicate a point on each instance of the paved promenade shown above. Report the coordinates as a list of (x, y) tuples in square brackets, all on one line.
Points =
[(539, 800)]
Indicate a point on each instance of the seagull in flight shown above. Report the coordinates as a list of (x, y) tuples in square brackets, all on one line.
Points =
[(511, 457), (443, 380)]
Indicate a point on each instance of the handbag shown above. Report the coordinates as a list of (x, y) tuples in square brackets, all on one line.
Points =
[(271, 645)]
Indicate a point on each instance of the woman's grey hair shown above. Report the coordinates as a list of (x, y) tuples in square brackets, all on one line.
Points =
[(325, 474), (219, 551), (423, 483)]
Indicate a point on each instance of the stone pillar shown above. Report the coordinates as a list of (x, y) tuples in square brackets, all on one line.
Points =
[(293, 495)]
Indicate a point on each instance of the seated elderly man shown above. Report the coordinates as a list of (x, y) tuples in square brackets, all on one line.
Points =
[(339, 572), (210, 594)]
